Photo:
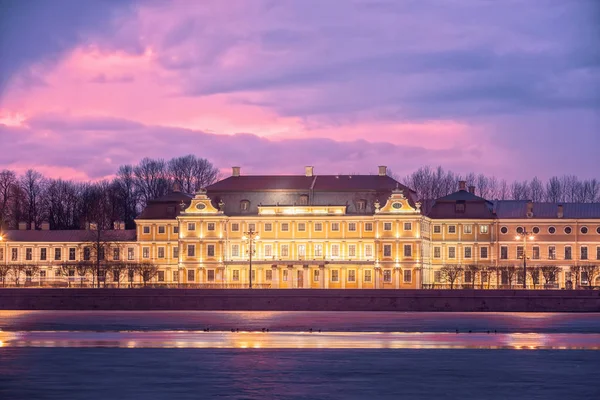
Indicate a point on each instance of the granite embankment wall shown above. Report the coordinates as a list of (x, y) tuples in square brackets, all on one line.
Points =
[(302, 300)]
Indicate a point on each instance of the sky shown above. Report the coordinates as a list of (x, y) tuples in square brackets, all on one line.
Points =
[(507, 88)]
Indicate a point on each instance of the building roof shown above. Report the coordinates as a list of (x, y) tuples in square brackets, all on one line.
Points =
[(506, 209), (80, 235), (166, 207), (461, 204)]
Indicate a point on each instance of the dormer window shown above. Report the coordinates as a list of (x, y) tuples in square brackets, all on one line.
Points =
[(304, 200), (361, 205), (459, 207), (244, 205)]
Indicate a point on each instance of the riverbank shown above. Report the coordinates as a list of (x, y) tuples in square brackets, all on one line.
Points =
[(302, 300)]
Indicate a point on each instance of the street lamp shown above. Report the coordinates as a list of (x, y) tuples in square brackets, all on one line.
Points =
[(250, 237), (525, 236)]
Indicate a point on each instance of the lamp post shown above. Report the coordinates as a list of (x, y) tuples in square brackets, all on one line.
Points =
[(250, 237), (525, 236)]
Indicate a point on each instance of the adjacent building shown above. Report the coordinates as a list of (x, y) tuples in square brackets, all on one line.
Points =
[(334, 231)]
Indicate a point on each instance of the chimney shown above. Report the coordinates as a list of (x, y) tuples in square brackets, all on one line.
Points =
[(561, 211), (472, 189), (22, 226), (462, 185), (529, 208), (309, 170), (118, 225), (235, 171), (45, 226), (33, 226), (382, 170)]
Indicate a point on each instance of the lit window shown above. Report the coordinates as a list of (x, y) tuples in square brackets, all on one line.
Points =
[(335, 275), (235, 250), (387, 276), (468, 229), (437, 252), (368, 274), (368, 250), (351, 250), (484, 229), (407, 276), (285, 227), (451, 252), (351, 275), (301, 250), (145, 252), (235, 275), (284, 250), (161, 252), (268, 250), (268, 275), (335, 250), (130, 253), (301, 226), (316, 275), (318, 250)]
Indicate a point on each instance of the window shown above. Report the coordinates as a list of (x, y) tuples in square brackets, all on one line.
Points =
[(452, 252), (210, 250), (235, 227), (29, 254), (191, 250), (87, 253), (161, 276), (437, 229), (459, 207), (210, 226), (468, 276), (335, 275), (191, 275), (268, 250), (352, 227), (584, 230), (285, 250), (584, 252), (268, 275), (568, 253), (145, 252), (130, 274), (535, 253), (483, 252), (303, 200), (116, 254), (468, 252), (42, 275), (101, 253), (235, 250), (451, 228), (552, 230), (387, 250), (335, 226), (598, 230), (361, 205), (210, 275), (437, 252), (407, 276), (504, 253), (284, 276), (437, 276), (161, 252), (1, 254), (468, 229), (520, 230), (536, 230), (552, 252), (484, 229), (301, 226), (244, 205), (504, 230), (504, 277), (369, 227), (301, 250), (191, 226), (318, 250), (318, 226), (176, 252), (520, 252), (235, 275), (568, 230), (72, 254), (598, 253), (408, 226), (176, 229), (162, 230), (368, 250), (387, 275), (175, 276), (351, 275), (146, 230), (316, 275), (43, 254), (351, 250), (268, 227), (408, 250), (367, 275), (335, 250), (387, 226), (285, 227)]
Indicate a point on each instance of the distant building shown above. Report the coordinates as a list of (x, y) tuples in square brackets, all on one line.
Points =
[(335, 231)]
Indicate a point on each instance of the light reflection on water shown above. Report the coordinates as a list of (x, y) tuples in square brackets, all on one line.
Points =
[(300, 340)]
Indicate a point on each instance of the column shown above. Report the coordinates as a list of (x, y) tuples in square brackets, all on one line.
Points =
[(397, 278), (275, 270), (321, 277), (306, 277), (200, 275)]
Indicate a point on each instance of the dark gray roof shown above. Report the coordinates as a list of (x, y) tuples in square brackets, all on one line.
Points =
[(518, 209), (166, 207), (75, 236), (475, 207)]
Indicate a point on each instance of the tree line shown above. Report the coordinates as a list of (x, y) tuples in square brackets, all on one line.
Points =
[(66, 204), (432, 183)]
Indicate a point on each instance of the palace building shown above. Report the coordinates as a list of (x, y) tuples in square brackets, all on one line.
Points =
[(334, 231)]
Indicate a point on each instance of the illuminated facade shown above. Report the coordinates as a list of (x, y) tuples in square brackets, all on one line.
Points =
[(336, 231)]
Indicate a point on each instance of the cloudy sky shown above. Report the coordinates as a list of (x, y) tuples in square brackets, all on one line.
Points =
[(510, 88)]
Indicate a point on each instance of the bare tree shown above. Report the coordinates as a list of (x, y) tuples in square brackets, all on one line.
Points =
[(4, 271), (16, 271), (575, 273), (589, 271), (450, 273), (33, 186), (536, 190), (554, 190), (151, 178), (83, 268), (485, 276), (147, 271), (510, 271), (549, 272), (192, 173), (533, 273), (118, 272), (503, 191), (8, 181), (473, 270)]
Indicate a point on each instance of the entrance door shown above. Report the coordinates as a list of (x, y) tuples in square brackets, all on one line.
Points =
[(300, 278)]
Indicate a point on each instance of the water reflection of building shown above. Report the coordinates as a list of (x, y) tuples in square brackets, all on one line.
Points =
[(332, 231)]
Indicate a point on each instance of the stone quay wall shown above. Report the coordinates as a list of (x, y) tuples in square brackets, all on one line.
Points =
[(302, 300)]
